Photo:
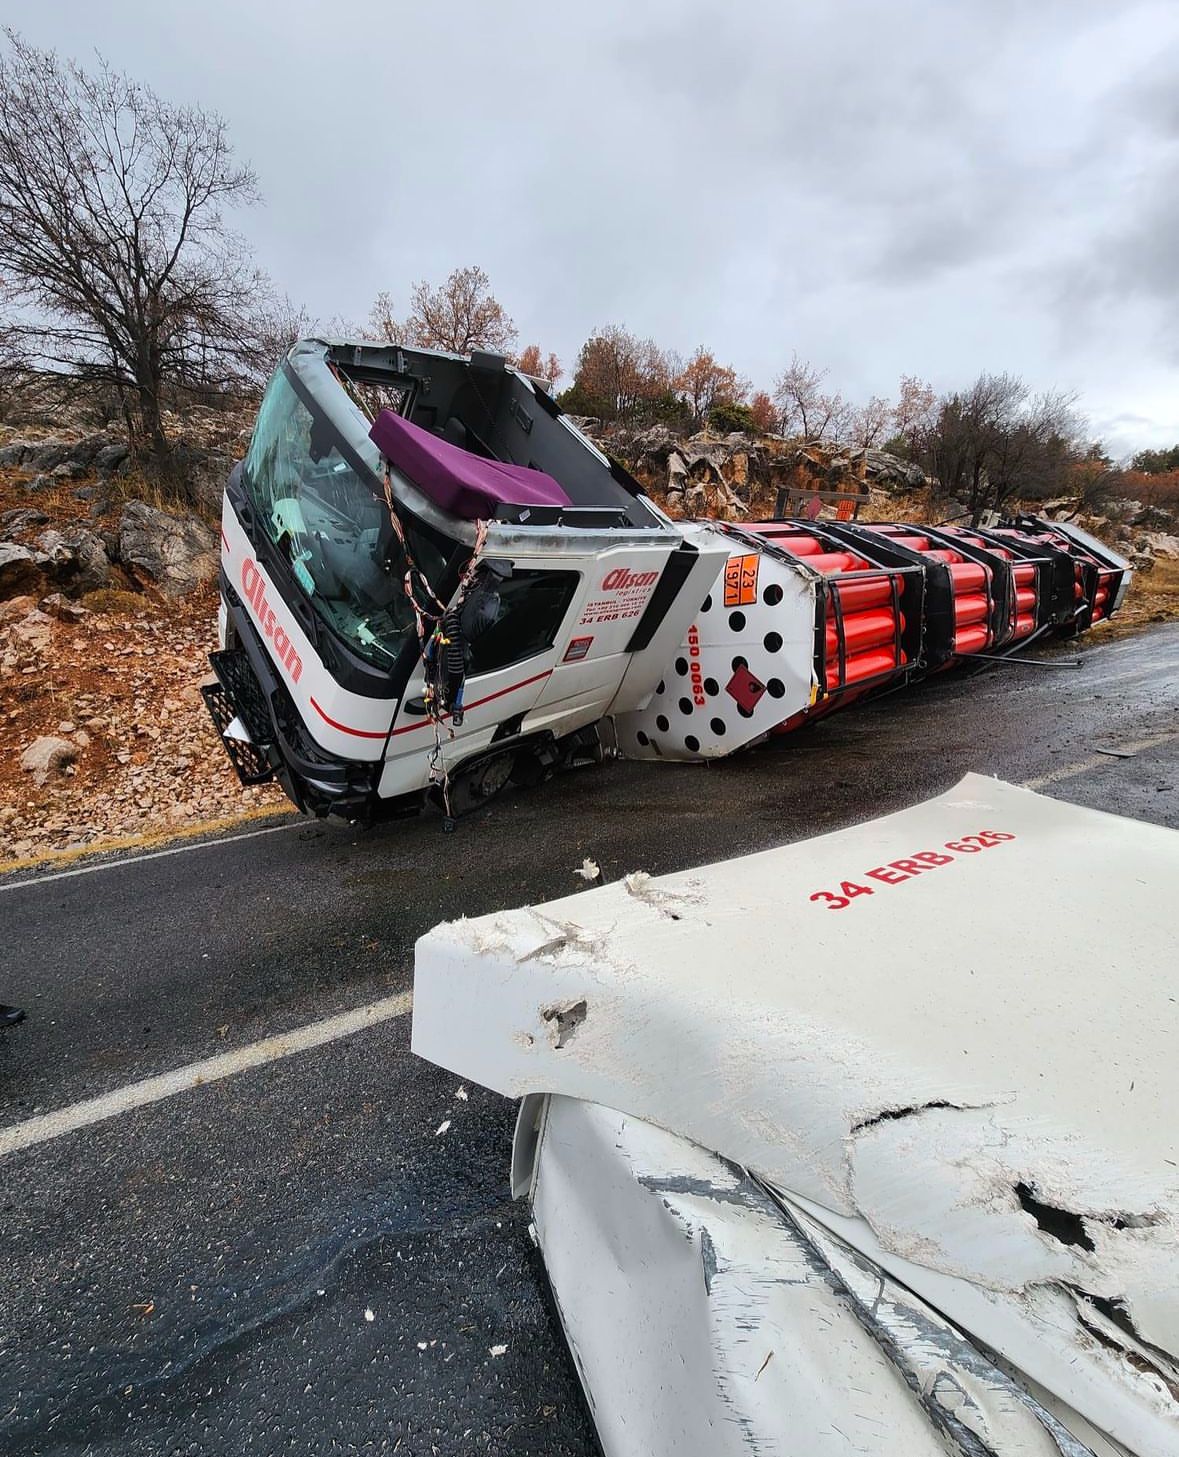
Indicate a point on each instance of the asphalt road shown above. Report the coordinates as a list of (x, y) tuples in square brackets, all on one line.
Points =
[(293, 1259)]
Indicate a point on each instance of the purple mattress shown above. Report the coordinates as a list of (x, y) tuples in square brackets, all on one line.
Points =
[(466, 485)]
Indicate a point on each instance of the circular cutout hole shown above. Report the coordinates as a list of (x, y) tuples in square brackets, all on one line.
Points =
[(642, 738), (681, 667), (772, 595), (706, 605), (711, 687), (685, 705), (692, 742), (662, 687), (736, 621), (717, 726), (739, 663), (776, 688), (662, 723), (745, 712), (773, 642)]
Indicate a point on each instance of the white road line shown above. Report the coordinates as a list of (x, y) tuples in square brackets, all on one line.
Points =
[(197, 1074), (139, 859), (1095, 761)]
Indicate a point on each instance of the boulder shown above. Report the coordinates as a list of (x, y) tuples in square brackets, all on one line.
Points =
[(21, 570), (176, 553), (48, 757), (201, 475), (110, 458), (1160, 543), (91, 562), (17, 523), (33, 632), (890, 470), (16, 608), (61, 607)]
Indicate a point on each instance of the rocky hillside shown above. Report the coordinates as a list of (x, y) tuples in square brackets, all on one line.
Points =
[(107, 613)]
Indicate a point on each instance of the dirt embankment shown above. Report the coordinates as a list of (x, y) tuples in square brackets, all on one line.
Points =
[(110, 675)]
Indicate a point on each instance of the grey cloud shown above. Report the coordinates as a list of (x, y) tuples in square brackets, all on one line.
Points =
[(919, 187)]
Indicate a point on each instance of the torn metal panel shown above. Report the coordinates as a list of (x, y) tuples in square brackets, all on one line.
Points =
[(706, 1317), (948, 1035)]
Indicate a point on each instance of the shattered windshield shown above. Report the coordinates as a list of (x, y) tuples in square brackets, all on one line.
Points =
[(333, 526)]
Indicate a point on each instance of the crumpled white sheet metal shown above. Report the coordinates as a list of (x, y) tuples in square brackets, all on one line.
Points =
[(947, 1035), (708, 1317)]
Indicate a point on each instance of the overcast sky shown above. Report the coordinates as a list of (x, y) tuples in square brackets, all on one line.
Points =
[(930, 187)]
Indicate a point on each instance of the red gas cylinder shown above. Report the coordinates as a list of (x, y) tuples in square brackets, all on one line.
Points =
[(973, 607), (862, 630), (836, 561), (967, 575), (856, 596), (1024, 625), (971, 639), (1024, 576), (1025, 599), (864, 665)]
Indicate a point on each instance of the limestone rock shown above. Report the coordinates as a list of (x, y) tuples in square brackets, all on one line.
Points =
[(48, 757), (21, 569), (1160, 543), (174, 552)]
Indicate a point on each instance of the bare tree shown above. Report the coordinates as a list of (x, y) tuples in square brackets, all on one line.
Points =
[(866, 424), (996, 441), (460, 315), (805, 408), (382, 322), (277, 325), (117, 262), (914, 409)]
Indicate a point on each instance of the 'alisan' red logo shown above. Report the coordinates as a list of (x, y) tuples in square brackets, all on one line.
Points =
[(284, 649), (622, 577)]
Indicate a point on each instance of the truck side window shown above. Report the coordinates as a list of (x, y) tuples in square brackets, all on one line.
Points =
[(532, 608)]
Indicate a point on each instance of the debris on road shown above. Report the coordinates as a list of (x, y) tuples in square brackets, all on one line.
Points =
[(588, 869)]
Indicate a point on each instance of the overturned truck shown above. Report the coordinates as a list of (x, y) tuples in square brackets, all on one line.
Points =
[(432, 584)]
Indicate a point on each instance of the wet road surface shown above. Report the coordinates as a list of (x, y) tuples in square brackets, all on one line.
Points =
[(283, 1254)]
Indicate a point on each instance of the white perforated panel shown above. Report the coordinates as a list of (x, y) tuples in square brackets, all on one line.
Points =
[(758, 619)]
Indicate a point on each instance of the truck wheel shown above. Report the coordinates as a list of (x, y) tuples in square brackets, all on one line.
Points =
[(474, 784)]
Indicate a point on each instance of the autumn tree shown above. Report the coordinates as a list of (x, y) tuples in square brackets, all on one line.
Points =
[(620, 377), (762, 412), (539, 366), (805, 408), (117, 264), (703, 384), (460, 315)]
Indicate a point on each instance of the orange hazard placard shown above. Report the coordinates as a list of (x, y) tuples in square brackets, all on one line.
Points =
[(741, 580)]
